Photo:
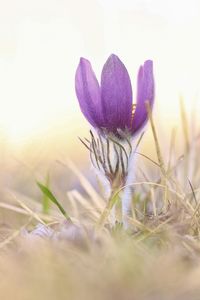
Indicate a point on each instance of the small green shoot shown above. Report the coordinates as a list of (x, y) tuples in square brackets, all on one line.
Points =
[(51, 197), (45, 198)]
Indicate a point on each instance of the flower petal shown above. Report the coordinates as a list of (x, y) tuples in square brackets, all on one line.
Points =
[(88, 93), (116, 93), (145, 92)]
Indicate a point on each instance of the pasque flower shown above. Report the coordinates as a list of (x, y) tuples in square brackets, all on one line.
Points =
[(109, 106)]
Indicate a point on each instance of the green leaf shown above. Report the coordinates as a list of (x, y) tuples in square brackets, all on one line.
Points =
[(45, 198), (50, 196)]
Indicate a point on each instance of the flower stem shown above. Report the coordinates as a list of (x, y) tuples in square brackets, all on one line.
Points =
[(111, 202), (128, 191)]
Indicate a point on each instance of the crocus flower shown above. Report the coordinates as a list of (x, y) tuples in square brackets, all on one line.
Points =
[(109, 105)]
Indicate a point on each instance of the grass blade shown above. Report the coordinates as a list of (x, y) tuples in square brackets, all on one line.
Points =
[(51, 197), (45, 198)]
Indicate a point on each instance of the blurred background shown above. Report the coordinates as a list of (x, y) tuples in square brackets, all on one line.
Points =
[(41, 42)]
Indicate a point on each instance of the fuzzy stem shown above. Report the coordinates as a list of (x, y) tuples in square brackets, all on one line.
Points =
[(128, 191), (110, 204)]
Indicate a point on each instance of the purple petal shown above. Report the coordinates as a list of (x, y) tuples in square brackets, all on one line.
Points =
[(88, 93), (116, 93), (145, 92)]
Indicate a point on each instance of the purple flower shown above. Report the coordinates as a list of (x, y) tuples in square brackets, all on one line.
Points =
[(109, 106)]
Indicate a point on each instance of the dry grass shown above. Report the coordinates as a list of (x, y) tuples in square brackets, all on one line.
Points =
[(158, 258)]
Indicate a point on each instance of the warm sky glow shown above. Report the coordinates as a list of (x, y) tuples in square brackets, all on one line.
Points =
[(41, 42)]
